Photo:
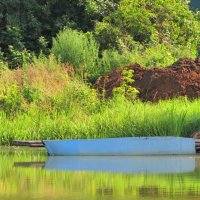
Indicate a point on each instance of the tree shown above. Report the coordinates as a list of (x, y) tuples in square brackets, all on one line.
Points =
[(149, 22)]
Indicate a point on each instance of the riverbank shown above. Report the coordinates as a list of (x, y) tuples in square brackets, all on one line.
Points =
[(45, 100)]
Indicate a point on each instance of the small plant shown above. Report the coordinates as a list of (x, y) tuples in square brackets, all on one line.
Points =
[(30, 94), (126, 89), (10, 98), (18, 58), (43, 44)]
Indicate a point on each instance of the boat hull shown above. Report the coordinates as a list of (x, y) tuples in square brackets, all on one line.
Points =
[(121, 146)]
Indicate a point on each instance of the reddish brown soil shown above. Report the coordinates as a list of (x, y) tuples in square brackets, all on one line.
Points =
[(180, 79)]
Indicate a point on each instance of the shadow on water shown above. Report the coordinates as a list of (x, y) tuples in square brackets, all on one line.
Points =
[(118, 164)]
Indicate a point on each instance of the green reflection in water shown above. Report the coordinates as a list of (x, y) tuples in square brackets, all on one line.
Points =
[(20, 179)]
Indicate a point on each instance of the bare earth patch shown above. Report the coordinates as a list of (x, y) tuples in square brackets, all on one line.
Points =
[(180, 79)]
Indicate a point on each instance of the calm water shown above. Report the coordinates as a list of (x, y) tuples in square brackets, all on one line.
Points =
[(30, 174), (195, 4)]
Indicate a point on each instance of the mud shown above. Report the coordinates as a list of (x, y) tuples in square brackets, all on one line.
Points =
[(180, 79)]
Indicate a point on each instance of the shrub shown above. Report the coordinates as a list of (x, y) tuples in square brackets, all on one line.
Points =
[(18, 58), (76, 97), (126, 89), (10, 98), (78, 49), (111, 59)]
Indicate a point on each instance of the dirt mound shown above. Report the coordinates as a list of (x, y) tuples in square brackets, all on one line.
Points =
[(180, 79)]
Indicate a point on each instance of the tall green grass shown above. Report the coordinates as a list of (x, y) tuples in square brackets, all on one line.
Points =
[(116, 118)]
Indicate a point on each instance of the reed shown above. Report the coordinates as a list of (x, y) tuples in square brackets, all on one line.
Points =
[(115, 118)]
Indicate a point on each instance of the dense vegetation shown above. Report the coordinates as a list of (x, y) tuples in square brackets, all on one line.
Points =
[(52, 51), (44, 100), (136, 30)]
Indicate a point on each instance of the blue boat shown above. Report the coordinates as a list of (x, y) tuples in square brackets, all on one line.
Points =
[(131, 146)]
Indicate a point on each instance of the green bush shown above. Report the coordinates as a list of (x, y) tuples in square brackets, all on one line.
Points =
[(162, 55), (76, 97), (107, 35), (18, 58), (111, 59), (10, 98), (78, 49), (150, 23)]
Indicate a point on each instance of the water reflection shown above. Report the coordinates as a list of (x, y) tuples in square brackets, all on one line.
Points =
[(30, 174), (123, 164), (118, 164), (30, 164)]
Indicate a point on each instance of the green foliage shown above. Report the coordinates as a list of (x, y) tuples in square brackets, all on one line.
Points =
[(34, 19), (78, 49), (43, 45), (1, 57), (17, 58), (12, 46), (107, 35), (149, 23), (111, 59), (12, 36), (10, 99), (96, 10), (115, 118), (100, 8), (126, 88), (82, 51), (46, 103), (29, 93), (161, 55), (50, 61), (149, 32), (75, 95), (133, 30)]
